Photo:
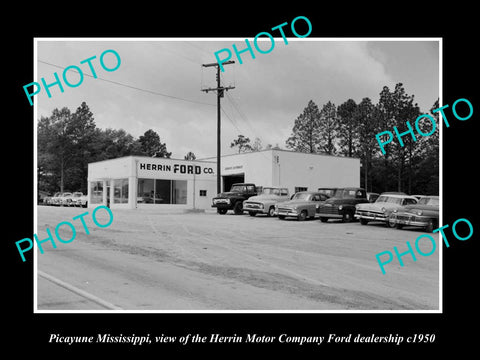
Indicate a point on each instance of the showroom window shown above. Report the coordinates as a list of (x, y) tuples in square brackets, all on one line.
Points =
[(203, 192), (96, 191), (160, 191), (120, 194)]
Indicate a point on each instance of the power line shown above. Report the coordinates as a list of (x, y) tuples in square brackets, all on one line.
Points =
[(132, 87)]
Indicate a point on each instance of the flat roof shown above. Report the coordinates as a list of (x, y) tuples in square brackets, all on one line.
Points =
[(151, 158)]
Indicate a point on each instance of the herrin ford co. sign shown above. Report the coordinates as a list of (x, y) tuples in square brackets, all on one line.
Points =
[(177, 168)]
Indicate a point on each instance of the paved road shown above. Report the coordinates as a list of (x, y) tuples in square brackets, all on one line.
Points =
[(156, 261)]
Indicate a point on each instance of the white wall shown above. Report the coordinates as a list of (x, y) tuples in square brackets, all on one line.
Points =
[(292, 169), (198, 174)]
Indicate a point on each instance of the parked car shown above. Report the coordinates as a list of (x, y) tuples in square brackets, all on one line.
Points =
[(55, 199), (304, 204), (66, 199), (78, 199), (327, 191), (342, 204), (424, 214), (266, 201), (233, 199), (381, 209)]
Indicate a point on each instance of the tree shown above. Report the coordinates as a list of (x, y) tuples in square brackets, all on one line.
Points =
[(243, 144), (397, 109), (366, 116), (257, 144), (347, 128), (190, 156), (55, 146), (305, 135), (328, 128), (151, 145)]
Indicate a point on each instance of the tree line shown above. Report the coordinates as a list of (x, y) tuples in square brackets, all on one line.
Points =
[(67, 141), (349, 130)]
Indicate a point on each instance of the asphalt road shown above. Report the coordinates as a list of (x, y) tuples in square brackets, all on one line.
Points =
[(147, 260)]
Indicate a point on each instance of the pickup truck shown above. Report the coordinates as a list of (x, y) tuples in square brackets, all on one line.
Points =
[(233, 199), (342, 204)]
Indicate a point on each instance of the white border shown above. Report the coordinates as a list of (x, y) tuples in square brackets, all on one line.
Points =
[(94, 39)]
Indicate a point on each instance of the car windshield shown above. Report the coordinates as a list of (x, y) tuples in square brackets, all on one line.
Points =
[(389, 199), (271, 191), (345, 193), (238, 188), (328, 192), (302, 196), (428, 201)]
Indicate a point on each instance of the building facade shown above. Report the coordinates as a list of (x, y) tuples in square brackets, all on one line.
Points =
[(142, 182)]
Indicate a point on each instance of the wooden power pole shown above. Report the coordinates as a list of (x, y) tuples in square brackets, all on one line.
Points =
[(220, 93)]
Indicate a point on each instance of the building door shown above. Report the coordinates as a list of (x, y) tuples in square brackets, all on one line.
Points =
[(229, 180)]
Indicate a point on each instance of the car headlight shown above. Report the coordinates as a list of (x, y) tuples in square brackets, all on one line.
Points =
[(261, 206), (340, 207), (395, 210), (419, 212), (383, 209)]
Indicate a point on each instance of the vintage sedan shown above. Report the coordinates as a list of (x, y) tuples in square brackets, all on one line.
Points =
[(423, 214), (381, 209), (78, 199), (266, 201), (304, 204), (55, 199)]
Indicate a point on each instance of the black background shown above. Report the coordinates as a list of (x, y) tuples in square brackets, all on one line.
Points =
[(23, 329)]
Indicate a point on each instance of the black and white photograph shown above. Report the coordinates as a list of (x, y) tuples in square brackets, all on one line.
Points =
[(267, 185), (296, 154)]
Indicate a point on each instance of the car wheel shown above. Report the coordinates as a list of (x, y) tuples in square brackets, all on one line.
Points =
[(347, 217), (323, 219), (281, 217), (391, 223), (222, 211), (271, 211), (363, 221), (302, 216), (431, 226), (252, 213), (238, 208)]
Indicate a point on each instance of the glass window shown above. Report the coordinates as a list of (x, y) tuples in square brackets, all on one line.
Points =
[(179, 191), (145, 193), (299, 188), (203, 192), (96, 191), (120, 191), (159, 191), (162, 192)]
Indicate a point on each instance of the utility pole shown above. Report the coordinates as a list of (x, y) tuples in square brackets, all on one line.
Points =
[(220, 92)]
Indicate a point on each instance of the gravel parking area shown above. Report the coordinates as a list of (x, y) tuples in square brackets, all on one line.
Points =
[(148, 259)]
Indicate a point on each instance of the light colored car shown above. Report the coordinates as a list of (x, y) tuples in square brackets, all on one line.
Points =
[(424, 214), (78, 199), (55, 199), (304, 204), (65, 199), (381, 209), (266, 201)]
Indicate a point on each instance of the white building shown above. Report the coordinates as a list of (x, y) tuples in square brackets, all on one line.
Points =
[(137, 181)]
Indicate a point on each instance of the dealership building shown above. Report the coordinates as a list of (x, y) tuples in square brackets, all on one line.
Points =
[(142, 182)]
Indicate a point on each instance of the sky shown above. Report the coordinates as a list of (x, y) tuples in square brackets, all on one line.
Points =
[(159, 83)]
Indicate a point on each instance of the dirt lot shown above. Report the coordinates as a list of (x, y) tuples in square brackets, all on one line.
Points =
[(150, 260)]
